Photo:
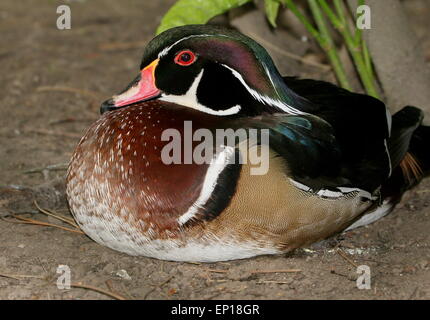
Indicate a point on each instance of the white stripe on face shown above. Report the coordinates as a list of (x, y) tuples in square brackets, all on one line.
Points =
[(166, 50), (264, 99), (189, 99)]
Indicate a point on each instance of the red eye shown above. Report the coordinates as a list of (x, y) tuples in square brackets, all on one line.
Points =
[(185, 58)]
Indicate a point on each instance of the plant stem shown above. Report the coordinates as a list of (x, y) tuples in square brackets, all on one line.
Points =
[(367, 58), (328, 44), (314, 32), (354, 44), (323, 36)]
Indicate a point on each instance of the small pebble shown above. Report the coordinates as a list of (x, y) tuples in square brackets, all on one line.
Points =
[(123, 274)]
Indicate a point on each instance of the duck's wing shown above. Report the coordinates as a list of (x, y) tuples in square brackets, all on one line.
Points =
[(307, 145), (314, 157), (361, 125)]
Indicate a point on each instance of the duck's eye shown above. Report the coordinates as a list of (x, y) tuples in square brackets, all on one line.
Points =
[(185, 58)]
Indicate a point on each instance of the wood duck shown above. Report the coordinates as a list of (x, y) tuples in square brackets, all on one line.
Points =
[(337, 159)]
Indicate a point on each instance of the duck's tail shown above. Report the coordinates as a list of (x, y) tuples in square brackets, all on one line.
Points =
[(419, 148), (409, 150), (410, 157)]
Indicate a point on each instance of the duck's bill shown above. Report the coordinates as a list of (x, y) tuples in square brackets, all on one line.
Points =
[(142, 88)]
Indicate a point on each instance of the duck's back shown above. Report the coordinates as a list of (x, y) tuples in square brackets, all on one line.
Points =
[(361, 126)]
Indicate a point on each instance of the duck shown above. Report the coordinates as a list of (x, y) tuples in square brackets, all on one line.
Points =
[(336, 160)]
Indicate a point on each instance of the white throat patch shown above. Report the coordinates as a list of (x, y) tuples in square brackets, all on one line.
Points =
[(189, 99)]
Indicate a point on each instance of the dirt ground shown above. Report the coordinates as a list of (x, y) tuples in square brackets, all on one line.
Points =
[(40, 125)]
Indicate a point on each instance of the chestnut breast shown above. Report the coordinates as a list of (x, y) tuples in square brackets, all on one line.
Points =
[(118, 164)]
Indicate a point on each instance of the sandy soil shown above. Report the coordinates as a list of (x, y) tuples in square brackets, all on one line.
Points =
[(101, 54)]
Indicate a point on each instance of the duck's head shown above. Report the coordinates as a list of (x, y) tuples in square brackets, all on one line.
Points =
[(211, 69)]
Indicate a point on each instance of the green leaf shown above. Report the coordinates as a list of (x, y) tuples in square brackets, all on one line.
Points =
[(186, 12), (272, 9)]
